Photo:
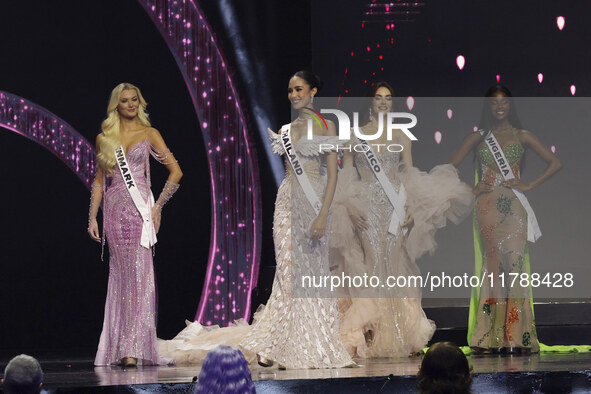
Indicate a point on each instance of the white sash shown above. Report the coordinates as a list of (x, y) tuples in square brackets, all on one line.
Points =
[(396, 199), (299, 171), (533, 229), (148, 231)]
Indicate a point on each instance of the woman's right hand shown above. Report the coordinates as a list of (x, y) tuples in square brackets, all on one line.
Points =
[(357, 219), (482, 187), (409, 222), (93, 230)]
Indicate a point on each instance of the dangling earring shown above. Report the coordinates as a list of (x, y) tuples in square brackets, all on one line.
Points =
[(311, 99), (370, 115)]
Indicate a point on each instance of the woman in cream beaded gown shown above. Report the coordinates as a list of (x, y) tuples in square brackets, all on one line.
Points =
[(297, 328), (502, 319), (129, 328), (389, 322), (301, 330)]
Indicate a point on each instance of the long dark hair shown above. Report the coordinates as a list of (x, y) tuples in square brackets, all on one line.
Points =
[(364, 115), (225, 371), (486, 117), (444, 369), (487, 120)]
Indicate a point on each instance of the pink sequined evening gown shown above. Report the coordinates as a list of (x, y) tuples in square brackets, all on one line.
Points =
[(129, 327)]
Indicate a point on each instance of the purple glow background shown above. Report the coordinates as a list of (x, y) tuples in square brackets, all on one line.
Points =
[(233, 264), (38, 124)]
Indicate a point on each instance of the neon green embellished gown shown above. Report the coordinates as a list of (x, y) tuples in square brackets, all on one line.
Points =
[(500, 316)]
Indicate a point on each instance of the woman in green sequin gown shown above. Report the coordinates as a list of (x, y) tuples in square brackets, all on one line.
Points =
[(501, 318)]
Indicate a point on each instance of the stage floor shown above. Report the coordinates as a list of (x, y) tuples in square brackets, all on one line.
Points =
[(489, 370)]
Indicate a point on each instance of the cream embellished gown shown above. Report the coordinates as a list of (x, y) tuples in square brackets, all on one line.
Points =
[(297, 328), (294, 331), (386, 322)]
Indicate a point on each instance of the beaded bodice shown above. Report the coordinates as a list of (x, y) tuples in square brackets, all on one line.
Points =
[(137, 159), (389, 162), (513, 153), (488, 167)]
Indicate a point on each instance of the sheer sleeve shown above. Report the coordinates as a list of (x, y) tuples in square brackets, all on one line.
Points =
[(163, 156), (169, 189), (96, 196)]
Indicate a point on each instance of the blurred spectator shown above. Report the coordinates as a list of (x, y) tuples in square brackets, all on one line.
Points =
[(444, 370), (225, 371), (23, 375)]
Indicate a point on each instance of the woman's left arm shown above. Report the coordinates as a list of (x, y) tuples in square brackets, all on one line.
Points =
[(554, 164), (319, 225), (331, 170), (164, 156)]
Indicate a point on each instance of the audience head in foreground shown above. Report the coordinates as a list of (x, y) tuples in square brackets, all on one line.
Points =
[(225, 371), (444, 370), (23, 375)]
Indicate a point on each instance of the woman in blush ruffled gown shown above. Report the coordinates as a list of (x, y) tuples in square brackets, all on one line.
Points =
[(501, 319), (389, 322), (130, 226)]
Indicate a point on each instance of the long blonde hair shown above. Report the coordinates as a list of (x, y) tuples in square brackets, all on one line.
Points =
[(111, 126)]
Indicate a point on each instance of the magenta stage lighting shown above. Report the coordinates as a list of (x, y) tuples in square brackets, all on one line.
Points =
[(48, 130), (233, 265)]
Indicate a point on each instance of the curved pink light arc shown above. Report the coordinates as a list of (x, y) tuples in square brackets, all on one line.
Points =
[(233, 263), (48, 130)]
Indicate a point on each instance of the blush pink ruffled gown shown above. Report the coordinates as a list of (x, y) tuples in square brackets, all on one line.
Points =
[(390, 322)]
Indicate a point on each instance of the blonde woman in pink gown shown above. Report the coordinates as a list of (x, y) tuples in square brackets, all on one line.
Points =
[(129, 328)]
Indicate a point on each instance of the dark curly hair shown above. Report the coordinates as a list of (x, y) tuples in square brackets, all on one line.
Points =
[(444, 370)]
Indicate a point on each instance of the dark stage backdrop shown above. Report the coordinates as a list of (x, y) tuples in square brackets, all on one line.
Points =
[(276, 37), (67, 56), (514, 40)]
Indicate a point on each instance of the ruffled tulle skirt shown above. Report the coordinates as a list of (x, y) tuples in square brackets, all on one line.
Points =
[(377, 323), (193, 343)]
